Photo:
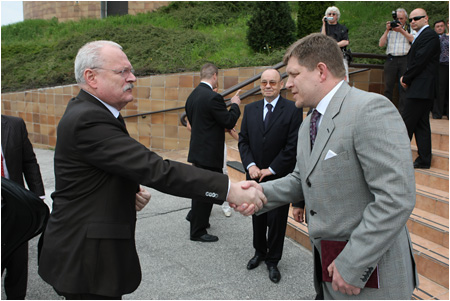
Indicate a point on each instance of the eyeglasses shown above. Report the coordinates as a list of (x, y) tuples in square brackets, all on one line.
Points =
[(332, 14), (416, 18), (271, 83), (125, 72)]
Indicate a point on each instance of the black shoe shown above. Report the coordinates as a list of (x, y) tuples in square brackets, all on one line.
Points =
[(205, 238), (254, 262), (274, 274), (420, 165), (188, 218)]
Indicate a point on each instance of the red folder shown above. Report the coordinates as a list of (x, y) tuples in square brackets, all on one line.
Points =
[(330, 250)]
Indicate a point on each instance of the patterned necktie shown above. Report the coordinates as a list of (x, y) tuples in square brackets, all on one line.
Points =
[(313, 127), (268, 115), (3, 171)]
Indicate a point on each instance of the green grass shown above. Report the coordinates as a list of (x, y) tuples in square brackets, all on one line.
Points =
[(177, 38)]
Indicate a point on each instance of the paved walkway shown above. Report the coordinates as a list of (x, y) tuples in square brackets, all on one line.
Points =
[(173, 267)]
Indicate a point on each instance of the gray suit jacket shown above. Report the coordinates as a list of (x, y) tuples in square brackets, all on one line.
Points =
[(365, 194)]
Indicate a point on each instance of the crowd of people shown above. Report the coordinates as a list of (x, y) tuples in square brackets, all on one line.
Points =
[(348, 175)]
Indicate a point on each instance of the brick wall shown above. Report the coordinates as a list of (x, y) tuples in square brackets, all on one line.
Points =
[(43, 108), (75, 10)]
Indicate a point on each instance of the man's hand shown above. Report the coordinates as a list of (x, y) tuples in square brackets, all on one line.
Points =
[(298, 214), (405, 86), (339, 283), (236, 99), (246, 197), (142, 198), (254, 172), (264, 173)]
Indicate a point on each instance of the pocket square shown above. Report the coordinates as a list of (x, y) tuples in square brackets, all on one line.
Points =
[(330, 154)]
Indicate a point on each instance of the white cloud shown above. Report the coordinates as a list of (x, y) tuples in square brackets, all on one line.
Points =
[(12, 12)]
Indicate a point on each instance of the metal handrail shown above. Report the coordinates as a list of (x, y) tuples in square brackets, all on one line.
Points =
[(257, 89)]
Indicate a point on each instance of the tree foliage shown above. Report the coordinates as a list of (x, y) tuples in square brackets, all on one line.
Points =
[(310, 15), (271, 26)]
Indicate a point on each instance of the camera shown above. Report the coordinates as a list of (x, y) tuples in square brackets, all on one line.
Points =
[(327, 19), (396, 22)]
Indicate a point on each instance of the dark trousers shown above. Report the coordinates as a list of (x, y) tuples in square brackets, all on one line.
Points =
[(394, 68), (16, 278), (416, 116), (269, 230), (86, 296), (440, 107), (200, 211)]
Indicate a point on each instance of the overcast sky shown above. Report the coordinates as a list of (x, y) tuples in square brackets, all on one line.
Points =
[(12, 12)]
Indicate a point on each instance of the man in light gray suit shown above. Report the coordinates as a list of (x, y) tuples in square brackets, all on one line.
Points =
[(356, 179)]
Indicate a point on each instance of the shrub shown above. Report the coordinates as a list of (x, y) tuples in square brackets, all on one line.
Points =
[(310, 15), (271, 26)]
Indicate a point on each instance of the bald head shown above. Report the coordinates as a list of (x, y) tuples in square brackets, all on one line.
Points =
[(418, 18)]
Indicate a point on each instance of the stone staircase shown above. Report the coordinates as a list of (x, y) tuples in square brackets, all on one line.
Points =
[(429, 221)]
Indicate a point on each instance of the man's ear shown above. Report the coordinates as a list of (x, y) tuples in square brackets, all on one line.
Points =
[(91, 78), (323, 71)]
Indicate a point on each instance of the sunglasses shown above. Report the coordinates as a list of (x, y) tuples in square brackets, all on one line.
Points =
[(416, 18), (271, 83)]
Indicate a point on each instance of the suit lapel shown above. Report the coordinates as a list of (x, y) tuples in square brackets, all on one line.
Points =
[(277, 112), (326, 127), (259, 113), (5, 133)]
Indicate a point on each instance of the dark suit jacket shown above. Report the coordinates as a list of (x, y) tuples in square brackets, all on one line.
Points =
[(89, 244), (209, 117), (422, 67), (274, 147), (19, 155)]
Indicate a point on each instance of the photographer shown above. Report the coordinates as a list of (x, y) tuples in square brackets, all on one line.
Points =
[(397, 38), (331, 28)]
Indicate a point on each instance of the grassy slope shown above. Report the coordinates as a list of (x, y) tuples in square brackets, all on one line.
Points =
[(40, 53)]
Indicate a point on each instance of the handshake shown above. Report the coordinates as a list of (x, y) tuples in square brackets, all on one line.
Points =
[(246, 197)]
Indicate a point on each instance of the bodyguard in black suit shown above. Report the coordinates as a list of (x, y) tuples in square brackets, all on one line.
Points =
[(19, 161), (420, 80), (268, 148), (208, 116), (89, 249)]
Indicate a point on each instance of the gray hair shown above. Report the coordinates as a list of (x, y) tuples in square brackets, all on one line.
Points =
[(333, 9), (208, 70), (89, 57), (403, 10)]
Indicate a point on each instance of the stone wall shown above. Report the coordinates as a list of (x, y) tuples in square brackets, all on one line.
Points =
[(75, 10), (43, 108)]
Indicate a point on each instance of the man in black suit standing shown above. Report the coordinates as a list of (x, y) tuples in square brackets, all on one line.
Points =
[(208, 117), (419, 81), (89, 249), (268, 147), (19, 161)]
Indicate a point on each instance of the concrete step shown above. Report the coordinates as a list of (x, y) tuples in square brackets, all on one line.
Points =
[(432, 200), (233, 151), (430, 290), (429, 226), (439, 158), (433, 178), (439, 141)]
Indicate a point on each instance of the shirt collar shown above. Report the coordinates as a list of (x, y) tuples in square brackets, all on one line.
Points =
[(113, 110), (273, 103), (420, 31), (207, 84), (323, 104)]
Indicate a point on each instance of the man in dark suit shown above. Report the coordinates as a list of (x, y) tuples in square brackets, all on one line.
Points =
[(19, 161), (208, 117), (268, 146), (88, 249), (419, 81)]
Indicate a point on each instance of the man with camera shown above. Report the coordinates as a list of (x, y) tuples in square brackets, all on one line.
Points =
[(397, 38)]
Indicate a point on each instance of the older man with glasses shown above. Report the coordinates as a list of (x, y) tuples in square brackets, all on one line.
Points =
[(420, 81), (397, 40)]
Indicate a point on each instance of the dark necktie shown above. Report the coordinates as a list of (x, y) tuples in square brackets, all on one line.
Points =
[(313, 127), (268, 115), (122, 121), (3, 171)]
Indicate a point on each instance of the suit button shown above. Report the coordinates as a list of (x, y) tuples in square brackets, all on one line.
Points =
[(308, 183), (312, 212)]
